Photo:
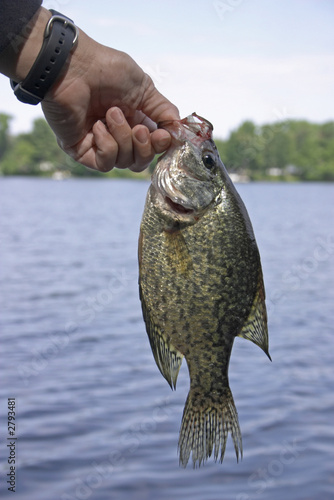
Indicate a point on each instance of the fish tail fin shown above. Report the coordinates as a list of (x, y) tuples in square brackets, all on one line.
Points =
[(204, 429)]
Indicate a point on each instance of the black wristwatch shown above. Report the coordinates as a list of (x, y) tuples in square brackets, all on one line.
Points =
[(60, 36)]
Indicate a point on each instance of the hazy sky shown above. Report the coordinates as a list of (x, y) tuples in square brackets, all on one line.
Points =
[(228, 60)]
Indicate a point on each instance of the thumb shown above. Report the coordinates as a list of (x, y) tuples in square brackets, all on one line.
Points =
[(156, 106)]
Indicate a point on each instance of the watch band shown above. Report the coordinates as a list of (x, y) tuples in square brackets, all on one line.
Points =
[(60, 36)]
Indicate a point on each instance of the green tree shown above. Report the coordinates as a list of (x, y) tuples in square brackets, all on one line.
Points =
[(18, 159), (34, 153), (242, 149), (277, 146), (4, 133)]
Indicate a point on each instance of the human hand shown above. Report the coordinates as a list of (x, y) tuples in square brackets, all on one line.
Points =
[(104, 110)]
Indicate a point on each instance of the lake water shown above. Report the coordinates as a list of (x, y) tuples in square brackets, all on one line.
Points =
[(95, 419)]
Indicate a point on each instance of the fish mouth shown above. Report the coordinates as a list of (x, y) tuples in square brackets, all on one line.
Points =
[(177, 207), (193, 128)]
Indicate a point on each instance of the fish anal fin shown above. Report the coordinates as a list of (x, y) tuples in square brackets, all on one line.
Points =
[(167, 357), (256, 328)]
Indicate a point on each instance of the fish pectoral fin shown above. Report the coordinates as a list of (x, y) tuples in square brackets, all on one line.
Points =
[(167, 357), (177, 251), (256, 329)]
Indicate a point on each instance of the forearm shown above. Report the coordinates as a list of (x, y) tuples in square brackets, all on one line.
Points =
[(20, 54)]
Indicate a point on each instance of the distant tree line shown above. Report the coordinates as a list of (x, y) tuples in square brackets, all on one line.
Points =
[(287, 150)]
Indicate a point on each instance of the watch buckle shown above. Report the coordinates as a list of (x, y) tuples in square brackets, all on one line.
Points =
[(66, 22)]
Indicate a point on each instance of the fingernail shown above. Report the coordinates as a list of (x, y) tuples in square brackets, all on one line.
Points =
[(117, 116), (101, 126), (142, 135), (164, 142)]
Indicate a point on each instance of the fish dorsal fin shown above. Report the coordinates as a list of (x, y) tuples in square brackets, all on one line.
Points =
[(255, 328), (166, 356)]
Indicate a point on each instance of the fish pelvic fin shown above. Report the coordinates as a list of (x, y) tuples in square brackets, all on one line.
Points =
[(167, 357), (256, 327), (204, 429)]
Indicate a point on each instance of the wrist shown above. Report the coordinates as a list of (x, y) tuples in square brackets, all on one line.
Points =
[(76, 70), (59, 38)]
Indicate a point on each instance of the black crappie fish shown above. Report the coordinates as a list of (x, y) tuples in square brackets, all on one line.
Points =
[(200, 281)]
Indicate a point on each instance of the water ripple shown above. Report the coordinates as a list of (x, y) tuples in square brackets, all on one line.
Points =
[(95, 418)]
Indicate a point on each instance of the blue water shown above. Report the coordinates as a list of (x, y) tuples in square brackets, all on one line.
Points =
[(95, 419)]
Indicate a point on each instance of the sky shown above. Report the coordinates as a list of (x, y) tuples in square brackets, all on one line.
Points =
[(227, 60)]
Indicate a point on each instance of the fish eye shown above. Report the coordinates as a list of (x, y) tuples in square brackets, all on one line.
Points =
[(208, 161)]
